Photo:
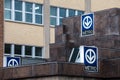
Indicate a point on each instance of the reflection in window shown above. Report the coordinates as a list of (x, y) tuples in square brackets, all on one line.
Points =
[(28, 7), (38, 8), (7, 7), (38, 13), (8, 4), (7, 14)]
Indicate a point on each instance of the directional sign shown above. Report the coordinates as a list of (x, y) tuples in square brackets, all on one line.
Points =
[(91, 58), (13, 61), (87, 22)]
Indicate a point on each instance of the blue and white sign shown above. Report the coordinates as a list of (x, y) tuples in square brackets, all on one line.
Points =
[(91, 58), (13, 61), (87, 22)]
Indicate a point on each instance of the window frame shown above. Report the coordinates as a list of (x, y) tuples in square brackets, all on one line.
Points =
[(23, 54)]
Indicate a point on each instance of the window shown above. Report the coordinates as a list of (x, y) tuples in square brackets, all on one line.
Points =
[(18, 10), (32, 13), (28, 50), (38, 51), (7, 49), (71, 12), (62, 14), (53, 15), (28, 12), (23, 50), (80, 12), (18, 49), (38, 13), (7, 7)]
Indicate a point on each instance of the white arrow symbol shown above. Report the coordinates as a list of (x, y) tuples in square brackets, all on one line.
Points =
[(87, 22), (90, 56)]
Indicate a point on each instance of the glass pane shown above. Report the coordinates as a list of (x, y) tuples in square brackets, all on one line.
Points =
[(71, 12), (18, 5), (7, 14), (53, 21), (62, 12), (38, 8), (28, 50), (28, 17), (18, 16), (8, 4), (18, 49), (38, 19), (60, 20), (7, 49), (28, 7), (80, 12), (53, 11), (38, 51)]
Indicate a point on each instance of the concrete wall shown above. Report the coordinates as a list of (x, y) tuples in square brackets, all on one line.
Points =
[(96, 5), (20, 33)]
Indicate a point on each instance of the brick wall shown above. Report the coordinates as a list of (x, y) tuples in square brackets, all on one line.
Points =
[(1, 32)]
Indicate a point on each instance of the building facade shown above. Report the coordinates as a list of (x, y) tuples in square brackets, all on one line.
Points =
[(24, 24)]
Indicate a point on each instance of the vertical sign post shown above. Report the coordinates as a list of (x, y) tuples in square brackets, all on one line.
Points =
[(46, 27), (87, 6)]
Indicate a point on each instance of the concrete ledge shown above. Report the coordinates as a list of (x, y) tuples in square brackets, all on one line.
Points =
[(60, 69)]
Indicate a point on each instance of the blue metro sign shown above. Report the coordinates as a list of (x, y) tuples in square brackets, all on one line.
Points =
[(91, 58), (87, 22), (13, 61)]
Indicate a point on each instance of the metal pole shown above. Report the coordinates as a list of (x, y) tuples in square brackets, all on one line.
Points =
[(87, 6), (46, 28)]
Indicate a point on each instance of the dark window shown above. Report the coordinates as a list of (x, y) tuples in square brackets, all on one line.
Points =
[(18, 49), (7, 48), (38, 51), (28, 50)]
